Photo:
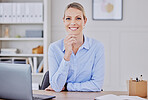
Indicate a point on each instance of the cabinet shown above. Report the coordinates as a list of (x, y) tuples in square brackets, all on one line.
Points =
[(17, 29)]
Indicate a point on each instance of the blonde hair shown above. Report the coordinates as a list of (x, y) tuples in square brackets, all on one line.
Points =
[(77, 6)]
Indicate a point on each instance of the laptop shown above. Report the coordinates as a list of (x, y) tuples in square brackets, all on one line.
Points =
[(16, 83)]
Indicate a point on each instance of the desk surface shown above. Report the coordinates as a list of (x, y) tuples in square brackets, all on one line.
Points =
[(78, 95)]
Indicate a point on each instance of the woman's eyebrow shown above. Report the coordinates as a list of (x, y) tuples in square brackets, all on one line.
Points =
[(78, 16), (67, 16)]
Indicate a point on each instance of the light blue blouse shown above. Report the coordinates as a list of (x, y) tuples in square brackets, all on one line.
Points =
[(84, 71)]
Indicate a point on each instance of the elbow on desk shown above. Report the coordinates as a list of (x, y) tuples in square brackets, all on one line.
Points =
[(97, 88), (56, 88)]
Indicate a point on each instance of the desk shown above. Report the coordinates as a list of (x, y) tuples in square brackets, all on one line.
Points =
[(78, 95)]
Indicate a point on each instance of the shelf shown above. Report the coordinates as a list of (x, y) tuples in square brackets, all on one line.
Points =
[(21, 39), (27, 23), (18, 27), (22, 55)]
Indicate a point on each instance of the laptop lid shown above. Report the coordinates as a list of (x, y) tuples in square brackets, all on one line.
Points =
[(16, 82)]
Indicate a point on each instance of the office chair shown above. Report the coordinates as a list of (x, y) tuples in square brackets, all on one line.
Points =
[(45, 82)]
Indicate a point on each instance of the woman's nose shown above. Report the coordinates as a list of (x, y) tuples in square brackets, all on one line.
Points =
[(73, 23)]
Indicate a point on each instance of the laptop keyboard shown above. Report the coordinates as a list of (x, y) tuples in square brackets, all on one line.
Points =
[(42, 97), (37, 98)]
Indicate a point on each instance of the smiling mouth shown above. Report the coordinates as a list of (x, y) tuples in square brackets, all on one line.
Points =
[(73, 28)]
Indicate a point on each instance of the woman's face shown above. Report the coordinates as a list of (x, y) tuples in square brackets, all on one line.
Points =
[(74, 21)]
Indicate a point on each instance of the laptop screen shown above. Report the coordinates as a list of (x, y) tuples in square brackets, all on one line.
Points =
[(15, 81)]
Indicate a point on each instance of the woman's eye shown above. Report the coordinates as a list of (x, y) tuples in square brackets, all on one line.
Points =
[(78, 18), (67, 18)]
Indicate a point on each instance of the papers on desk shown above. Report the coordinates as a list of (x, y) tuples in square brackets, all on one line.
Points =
[(121, 97)]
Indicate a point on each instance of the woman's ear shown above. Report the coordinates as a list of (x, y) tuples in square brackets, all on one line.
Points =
[(85, 21), (63, 19)]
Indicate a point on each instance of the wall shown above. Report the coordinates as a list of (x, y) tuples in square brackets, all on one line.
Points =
[(125, 42)]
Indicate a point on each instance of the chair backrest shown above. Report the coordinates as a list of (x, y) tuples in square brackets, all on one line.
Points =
[(45, 81)]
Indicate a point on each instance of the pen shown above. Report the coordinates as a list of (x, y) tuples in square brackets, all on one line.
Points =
[(137, 79), (140, 77)]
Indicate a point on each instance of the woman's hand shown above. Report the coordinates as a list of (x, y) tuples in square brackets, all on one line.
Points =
[(68, 42), (50, 89)]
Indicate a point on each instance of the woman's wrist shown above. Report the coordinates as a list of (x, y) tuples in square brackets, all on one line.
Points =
[(66, 58)]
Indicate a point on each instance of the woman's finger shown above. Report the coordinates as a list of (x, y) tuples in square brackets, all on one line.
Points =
[(49, 88)]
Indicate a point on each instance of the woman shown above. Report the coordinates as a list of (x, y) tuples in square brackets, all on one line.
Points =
[(76, 63)]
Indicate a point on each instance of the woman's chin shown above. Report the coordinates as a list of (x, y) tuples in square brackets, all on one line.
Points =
[(73, 33)]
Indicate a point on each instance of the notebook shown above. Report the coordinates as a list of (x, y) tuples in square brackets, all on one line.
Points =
[(16, 83)]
